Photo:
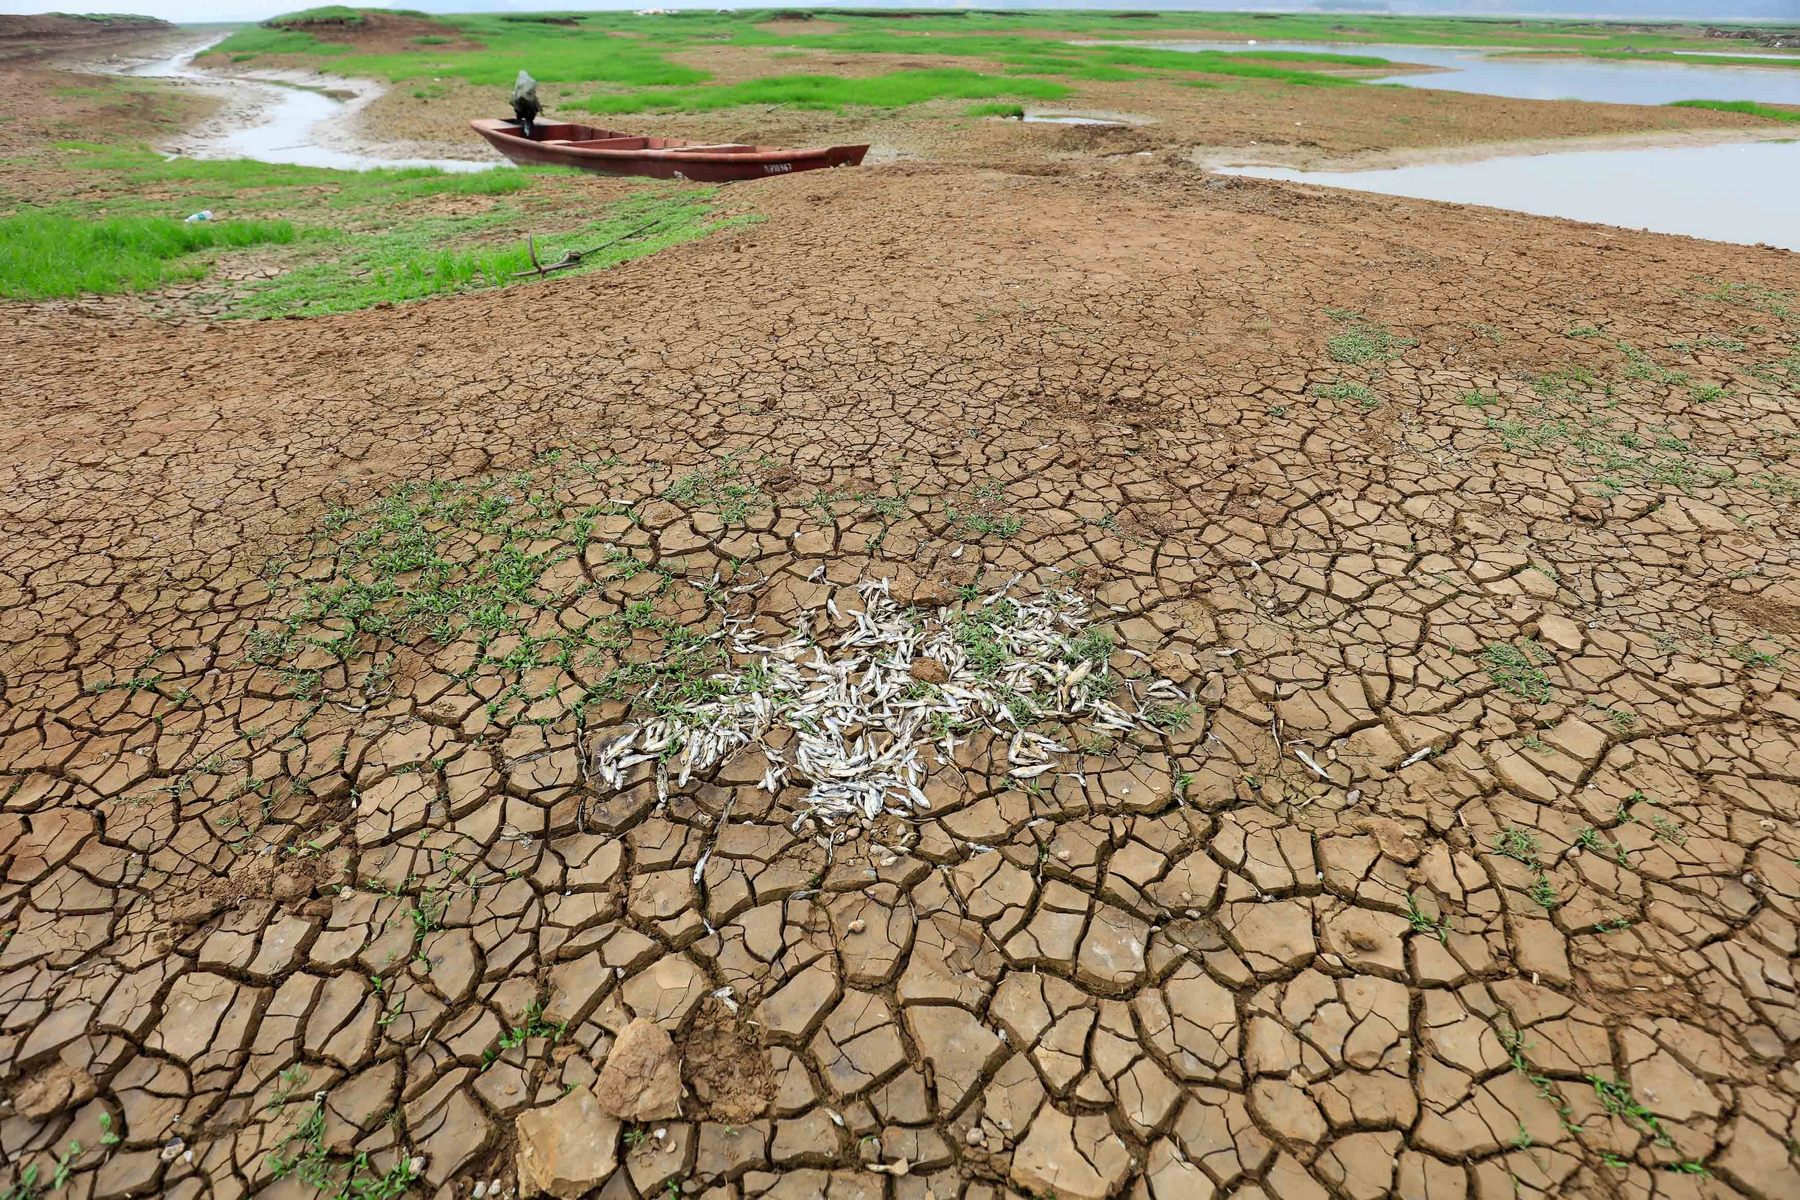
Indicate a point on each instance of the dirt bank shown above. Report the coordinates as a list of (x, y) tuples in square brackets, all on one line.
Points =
[(33, 37)]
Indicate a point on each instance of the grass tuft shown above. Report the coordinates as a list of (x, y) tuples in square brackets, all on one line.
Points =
[(1749, 107), (46, 256)]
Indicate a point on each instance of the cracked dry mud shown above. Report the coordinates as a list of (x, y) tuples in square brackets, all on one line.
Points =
[(1473, 874)]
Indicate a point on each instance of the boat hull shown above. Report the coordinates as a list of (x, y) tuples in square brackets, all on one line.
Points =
[(609, 152)]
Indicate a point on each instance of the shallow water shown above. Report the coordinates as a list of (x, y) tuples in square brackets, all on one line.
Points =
[(1064, 119), (1732, 54), (287, 126), (1726, 193), (1607, 81)]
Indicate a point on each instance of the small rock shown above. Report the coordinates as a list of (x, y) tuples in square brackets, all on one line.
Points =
[(1392, 837), (55, 1089), (910, 589), (567, 1149), (1560, 632), (929, 670), (641, 1080)]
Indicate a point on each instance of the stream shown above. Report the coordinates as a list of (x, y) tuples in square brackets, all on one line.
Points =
[(276, 119)]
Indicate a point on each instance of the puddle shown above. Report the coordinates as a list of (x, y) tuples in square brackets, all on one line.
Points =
[(1731, 192), (1462, 69), (1065, 116), (276, 120), (1064, 119)]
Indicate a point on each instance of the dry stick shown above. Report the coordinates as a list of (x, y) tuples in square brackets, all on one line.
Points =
[(573, 258)]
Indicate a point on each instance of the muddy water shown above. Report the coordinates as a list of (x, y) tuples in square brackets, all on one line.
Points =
[(1081, 116), (1725, 193), (279, 121)]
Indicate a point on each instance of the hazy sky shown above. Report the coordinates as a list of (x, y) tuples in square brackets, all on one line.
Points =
[(256, 10)]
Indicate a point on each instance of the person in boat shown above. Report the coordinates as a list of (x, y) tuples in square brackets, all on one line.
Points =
[(525, 103)]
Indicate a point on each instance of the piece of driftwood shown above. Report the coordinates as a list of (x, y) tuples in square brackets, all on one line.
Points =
[(573, 258)]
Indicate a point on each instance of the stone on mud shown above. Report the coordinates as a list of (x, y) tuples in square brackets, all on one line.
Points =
[(566, 1149), (641, 1080), (55, 1089)]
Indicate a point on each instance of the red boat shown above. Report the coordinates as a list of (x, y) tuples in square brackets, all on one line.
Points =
[(560, 144)]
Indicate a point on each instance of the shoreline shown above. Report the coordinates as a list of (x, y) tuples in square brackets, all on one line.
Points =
[(1302, 159), (246, 97)]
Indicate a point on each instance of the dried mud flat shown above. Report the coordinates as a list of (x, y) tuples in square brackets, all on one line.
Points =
[(1471, 873)]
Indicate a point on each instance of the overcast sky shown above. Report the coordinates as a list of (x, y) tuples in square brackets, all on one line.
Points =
[(256, 10)]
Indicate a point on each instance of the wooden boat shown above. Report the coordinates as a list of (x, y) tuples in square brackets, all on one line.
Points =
[(561, 144)]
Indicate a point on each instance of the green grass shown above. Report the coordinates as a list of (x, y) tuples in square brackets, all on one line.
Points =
[(994, 109), (302, 1156), (337, 14), (1514, 668), (1750, 107), (627, 52), (894, 90), (350, 239), (471, 563), (1361, 342), (631, 52), (552, 53), (420, 258), (1344, 390), (1689, 59), (44, 256)]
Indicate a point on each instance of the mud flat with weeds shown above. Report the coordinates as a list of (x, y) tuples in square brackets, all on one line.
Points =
[(1068, 675)]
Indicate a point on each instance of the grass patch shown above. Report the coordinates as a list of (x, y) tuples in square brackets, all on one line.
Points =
[(553, 53), (630, 51), (45, 256), (1516, 668), (897, 89), (1345, 390), (484, 565), (728, 488), (1361, 342), (1749, 107), (351, 238), (302, 1156), (995, 109), (411, 260)]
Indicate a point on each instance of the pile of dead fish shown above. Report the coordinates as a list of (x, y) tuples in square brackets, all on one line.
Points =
[(855, 724)]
